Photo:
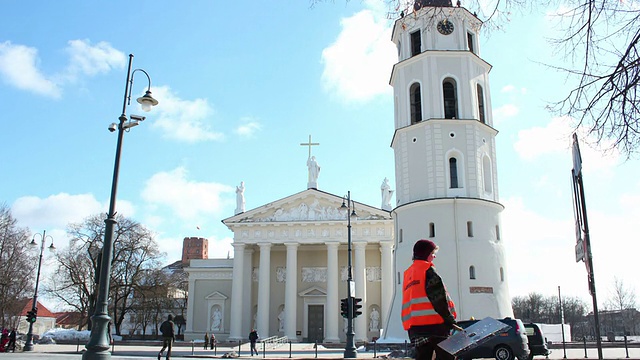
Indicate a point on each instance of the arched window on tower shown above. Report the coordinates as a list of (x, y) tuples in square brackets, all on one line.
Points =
[(472, 272), (450, 99), (453, 173), (487, 175), (501, 274), (416, 103), (432, 230), (480, 103)]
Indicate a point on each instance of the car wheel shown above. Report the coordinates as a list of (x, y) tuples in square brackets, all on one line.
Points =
[(503, 352)]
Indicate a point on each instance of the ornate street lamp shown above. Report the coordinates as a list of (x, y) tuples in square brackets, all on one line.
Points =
[(33, 314), (98, 345), (350, 351)]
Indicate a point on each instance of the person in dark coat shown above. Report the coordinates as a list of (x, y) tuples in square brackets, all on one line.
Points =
[(12, 341), (206, 340), (168, 336), (253, 338), (213, 341), (428, 313)]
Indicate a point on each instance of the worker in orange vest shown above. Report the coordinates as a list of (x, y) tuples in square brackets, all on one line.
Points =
[(428, 313)]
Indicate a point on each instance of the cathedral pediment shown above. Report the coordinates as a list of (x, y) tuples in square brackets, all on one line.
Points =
[(313, 291), (309, 205), (216, 295)]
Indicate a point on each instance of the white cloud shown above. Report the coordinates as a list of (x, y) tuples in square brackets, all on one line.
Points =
[(504, 112), (356, 65), (189, 200), (18, 67), (531, 239), (183, 120), (510, 89), (556, 138), (55, 212), (248, 127), (92, 60)]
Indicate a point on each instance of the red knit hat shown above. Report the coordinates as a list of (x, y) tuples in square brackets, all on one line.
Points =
[(423, 248)]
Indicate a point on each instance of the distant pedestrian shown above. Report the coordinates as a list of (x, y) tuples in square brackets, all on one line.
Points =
[(213, 341), (253, 338), (206, 340), (12, 341), (168, 336)]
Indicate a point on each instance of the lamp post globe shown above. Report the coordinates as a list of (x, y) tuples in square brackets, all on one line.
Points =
[(99, 340)]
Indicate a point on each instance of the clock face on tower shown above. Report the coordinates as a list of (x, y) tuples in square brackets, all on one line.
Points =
[(445, 27)]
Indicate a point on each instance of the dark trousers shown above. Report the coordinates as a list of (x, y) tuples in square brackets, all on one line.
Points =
[(253, 348), (426, 344), (166, 344), (426, 349)]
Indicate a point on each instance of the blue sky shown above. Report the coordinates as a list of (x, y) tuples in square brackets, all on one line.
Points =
[(240, 87)]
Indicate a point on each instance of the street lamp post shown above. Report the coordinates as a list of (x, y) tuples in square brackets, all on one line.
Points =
[(98, 345), (350, 351), (28, 346)]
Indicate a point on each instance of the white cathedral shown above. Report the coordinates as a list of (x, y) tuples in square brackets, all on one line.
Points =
[(289, 268)]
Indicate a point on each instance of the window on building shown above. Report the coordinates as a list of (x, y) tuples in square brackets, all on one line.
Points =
[(450, 99), (470, 228), (432, 230), (400, 236), (472, 272), (416, 47), (480, 103), (470, 42), (453, 172), (498, 232), (501, 274), (416, 103)]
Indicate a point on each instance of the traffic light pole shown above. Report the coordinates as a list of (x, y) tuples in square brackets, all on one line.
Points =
[(350, 346)]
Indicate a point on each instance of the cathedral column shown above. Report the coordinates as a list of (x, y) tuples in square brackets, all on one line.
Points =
[(264, 290), (190, 304), (247, 292), (235, 325), (291, 291), (332, 311), (361, 290), (386, 287)]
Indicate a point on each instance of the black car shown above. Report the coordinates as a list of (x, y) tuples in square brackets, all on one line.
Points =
[(537, 341), (506, 346)]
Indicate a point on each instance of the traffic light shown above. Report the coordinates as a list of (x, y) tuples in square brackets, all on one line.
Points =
[(31, 316), (356, 307), (344, 307)]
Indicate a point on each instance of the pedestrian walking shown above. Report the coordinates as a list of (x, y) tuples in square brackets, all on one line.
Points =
[(213, 341), (168, 336), (206, 340), (253, 338), (12, 341), (428, 313)]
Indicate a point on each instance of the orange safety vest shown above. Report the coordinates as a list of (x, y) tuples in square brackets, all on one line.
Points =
[(416, 308)]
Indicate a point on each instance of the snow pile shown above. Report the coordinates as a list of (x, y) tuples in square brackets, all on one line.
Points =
[(67, 334), (72, 335)]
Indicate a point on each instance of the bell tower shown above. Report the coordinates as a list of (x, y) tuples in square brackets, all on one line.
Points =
[(445, 161)]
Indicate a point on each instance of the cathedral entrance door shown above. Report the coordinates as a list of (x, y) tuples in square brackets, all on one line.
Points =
[(316, 323)]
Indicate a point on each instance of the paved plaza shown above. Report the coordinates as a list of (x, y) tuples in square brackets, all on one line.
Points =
[(298, 351)]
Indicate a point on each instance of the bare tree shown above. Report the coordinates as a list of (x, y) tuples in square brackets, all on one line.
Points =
[(17, 266), (601, 38), (134, 251), (622, 305)]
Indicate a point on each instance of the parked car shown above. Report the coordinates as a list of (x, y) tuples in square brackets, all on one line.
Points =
[(537, 341), (506, 346)]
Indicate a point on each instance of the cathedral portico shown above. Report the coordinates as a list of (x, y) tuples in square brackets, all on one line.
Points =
[(294, 269)]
